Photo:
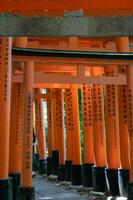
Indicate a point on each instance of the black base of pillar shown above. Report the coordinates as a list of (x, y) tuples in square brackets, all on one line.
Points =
[(87, 175), (36, 161), (130, 191), (61, 173), (26, 193), (49, 166), (55, 162), (98, 178), (16, 183), (42, 166), (123, 179), (68, 165), (6, 189), (112, 188), (37, 156), (76, 173)]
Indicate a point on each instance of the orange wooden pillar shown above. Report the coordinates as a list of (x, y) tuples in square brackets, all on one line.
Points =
[(26, 191), (5, 92), (130, 126), (55, 151), (50, 134), (16, 124), (40, 134), (15, 153), (123, 173), (69, 141), (88, 134), (112, 133), (60, 134), (35, 154), (76, 158), (58, 154), (123, 45), (98, 134)]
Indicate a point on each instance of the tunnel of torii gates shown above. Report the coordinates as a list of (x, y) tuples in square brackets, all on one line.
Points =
[(106, 84)]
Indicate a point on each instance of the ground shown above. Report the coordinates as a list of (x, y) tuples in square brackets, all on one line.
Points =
[(48, 188), (51, 190)]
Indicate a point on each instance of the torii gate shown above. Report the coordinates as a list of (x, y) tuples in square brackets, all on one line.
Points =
[(71, 80)]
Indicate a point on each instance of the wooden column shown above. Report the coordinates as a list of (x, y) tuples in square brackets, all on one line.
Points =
[(87, 124), (49, 121), (112, 133), (60, 134), (16, 123), (5, 93), (40, 133), (55, 152), (26, 190), (76, 164), (98, 133), (69, 141), (50, 134), (122, 46), (58, 154), (88, 134)]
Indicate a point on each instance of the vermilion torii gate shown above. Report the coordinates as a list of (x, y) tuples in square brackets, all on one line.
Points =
[(102, 81)]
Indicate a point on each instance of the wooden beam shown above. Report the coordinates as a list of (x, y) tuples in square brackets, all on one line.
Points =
[(68, 79), (87, 61)]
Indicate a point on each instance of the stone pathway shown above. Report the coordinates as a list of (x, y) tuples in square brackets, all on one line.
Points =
[(50, 189), (46, 190)]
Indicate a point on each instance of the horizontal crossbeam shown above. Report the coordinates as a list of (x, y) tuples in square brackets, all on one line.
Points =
[(68, 79)]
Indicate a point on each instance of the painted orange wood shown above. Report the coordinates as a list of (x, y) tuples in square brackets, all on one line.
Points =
[(69, 140), (87, 123), (98, 121), (16, 122), (50, 127), (75, 126), (122, 46), (93, 7), (112, 121), (40, 133), (58, 124), (16, 135), (26, 177), (5, 92)]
